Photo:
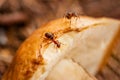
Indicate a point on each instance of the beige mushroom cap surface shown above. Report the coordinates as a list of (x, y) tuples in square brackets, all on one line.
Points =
[(84, 40)]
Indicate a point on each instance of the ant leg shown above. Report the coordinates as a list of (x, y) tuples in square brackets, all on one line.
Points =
[(46, 44)]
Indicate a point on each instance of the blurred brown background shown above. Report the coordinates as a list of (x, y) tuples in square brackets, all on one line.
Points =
[(19, 18)]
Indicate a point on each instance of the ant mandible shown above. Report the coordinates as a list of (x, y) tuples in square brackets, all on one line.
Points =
[(51, 37)]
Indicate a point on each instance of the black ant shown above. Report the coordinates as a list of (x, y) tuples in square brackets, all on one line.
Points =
[(70, 15), (52, 38)]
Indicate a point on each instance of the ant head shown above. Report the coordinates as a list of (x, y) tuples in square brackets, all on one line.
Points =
[(69, 15), (49, 35)]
